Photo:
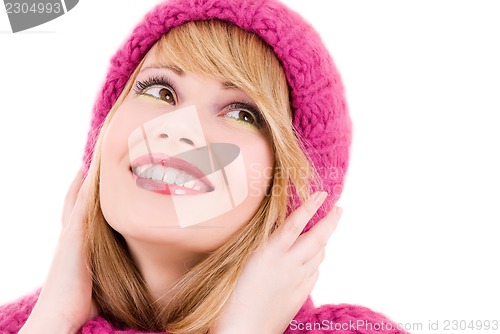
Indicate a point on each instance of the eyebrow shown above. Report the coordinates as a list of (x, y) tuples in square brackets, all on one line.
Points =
[(229, 85), (172, 68)]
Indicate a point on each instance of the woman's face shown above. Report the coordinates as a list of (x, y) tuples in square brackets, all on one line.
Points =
[(186, 160)]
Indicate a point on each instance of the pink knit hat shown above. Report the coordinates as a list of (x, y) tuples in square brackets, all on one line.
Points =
[(320, 113)]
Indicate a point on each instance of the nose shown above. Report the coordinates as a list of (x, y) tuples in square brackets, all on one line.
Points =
[(188, 141), (180, 128)]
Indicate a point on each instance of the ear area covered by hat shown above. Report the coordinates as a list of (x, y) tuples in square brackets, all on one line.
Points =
[(320, 113)]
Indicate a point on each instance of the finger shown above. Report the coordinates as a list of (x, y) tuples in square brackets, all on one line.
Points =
[(313, 264), (298, 219), (78, 212), (71, 196), (73, 229), (309, 243), (309, 283), (84, 190)]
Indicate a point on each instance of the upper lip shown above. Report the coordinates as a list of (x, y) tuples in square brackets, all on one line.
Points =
[(169, 161)]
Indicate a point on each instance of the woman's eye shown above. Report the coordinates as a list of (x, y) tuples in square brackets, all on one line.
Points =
[(245, 113), (161, 93), (159, 87), (242, 115)]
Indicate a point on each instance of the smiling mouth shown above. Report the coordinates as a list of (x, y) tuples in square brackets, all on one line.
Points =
[(169, 176)]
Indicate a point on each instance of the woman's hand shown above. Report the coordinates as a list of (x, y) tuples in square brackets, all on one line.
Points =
[(65, 302), (280, 275)]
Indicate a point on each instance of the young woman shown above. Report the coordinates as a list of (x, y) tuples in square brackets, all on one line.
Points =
[(217, 149)]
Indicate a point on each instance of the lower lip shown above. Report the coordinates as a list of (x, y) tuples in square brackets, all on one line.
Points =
[(164, 189)]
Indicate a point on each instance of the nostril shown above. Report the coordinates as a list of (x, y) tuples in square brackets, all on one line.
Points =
[(163, 135), (187, 141)]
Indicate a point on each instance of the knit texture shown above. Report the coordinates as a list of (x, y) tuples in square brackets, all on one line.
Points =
[(353, 319), (320, 113)]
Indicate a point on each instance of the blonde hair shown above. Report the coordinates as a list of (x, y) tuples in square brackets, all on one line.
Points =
[(226, 52)]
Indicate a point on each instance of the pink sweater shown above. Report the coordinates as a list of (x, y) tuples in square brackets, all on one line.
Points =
[(341, 318)]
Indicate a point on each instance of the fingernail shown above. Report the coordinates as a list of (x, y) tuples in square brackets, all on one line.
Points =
[(320, 197)]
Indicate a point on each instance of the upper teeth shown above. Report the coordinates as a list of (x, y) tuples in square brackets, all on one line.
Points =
[(170, 176)]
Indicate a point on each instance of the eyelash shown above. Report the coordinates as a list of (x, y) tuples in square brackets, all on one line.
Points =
[(141, 86), (248, 107)]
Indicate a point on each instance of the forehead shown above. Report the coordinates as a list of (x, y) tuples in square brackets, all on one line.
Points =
[(155, 60)]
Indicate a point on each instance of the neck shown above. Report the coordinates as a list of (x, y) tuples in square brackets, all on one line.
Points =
[(161, 266)]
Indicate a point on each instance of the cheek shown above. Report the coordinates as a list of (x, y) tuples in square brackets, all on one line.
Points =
[(115, 145), (114, 165), (123, 123), (249, 175), (259, 161)]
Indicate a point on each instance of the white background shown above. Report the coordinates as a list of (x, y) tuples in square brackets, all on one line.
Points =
[(419, 238)]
